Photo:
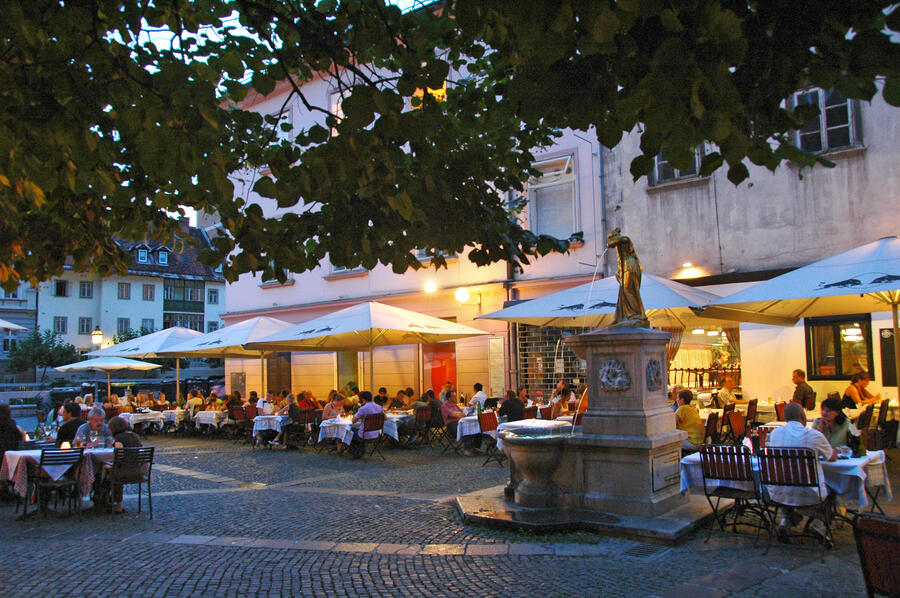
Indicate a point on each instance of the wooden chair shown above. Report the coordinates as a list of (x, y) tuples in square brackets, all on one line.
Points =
[(712, 429), (421, 421), (795, 467), (576, 421), (864, 421), (242, 424), (546, 411), (878, 547), (763, 433), (371, 423), (111, 412), (724, 421), (779, 411), (487, 421), (885, 437), (67, 486), (731, 464), (809, 402), (751, 412), (833, 395), (132, 465), (530, 412), (737, 427)]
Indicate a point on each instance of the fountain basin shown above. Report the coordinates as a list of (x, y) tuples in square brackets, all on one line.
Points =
[(534, 457)]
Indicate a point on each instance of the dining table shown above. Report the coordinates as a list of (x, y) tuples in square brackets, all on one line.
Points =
[(174, 416), (210, 418), (343, 428), (274, 423), (15, 466), (152, 417)]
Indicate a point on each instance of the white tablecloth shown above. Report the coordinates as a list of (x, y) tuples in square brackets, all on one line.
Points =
[(534, 427), (343, 429), (211, 418), (847, 477), (14, 467), (269, 422), (154, 417), (174, 416), (467, 426)]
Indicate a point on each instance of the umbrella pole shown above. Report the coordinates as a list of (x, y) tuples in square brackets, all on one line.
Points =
[(108, 386), (177, 379), (896, 347), (371, 369), (262, 375)]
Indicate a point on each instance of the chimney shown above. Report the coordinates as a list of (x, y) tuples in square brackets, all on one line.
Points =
[(184, 223)]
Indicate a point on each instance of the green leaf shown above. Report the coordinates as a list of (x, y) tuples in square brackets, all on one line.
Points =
[(263, 83), (891, 89), (737, 173)]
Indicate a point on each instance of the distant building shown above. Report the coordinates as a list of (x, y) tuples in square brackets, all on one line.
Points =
[(17, 307)]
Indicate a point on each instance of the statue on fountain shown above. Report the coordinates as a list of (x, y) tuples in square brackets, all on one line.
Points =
[(629, 307)]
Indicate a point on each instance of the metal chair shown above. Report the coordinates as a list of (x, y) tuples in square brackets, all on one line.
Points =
[(731, 464), (487, 422), (878, 547), (40, 482), (300, 429), (132, 465), (371, 423), (798, 468)]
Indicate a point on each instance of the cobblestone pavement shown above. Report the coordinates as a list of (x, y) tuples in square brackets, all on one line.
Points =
[(229, 520)]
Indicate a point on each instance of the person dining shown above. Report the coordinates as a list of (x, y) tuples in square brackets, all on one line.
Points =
[(560, 400), (512, 407), (478, 398), (161, 400), (96, 427), (399, 401), (803, 391), (71, 422), (856, 395), (834, 423), (726, 393), (334, 407), (451, 413), (687, 418), (123, 437), (10, 433), (292, 410), (795, 434), (382, 397), (304, 401), (367, 407)]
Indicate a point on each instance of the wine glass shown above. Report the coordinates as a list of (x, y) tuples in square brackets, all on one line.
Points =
[(93, 437)]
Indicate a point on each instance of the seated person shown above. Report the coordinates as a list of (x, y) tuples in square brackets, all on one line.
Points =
[(478, 398), (304, 402), (123, 437), (111, 401), (451, 413), (382, 398), (581, 397), (72, 421), (195, 402), (233, 400), (560, 400), (292, 410), (512, 407), (398, 402), (212, 404), (688, 419), (334, 407), (856, 395), (94, 425), (726, 393), (367, 407), (795, 434), (834, 424), (89, 400), (10, 433), (253, 398)]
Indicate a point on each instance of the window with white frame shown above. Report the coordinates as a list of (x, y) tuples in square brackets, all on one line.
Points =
[(124, 290), (9, 344), (836, 127), (86, 289), (212, 296), (143, 256), (149, 292), (148, 324), (123, 325), (163, 257), (85, 325), (60, 324), (551, 198), (664, 171)]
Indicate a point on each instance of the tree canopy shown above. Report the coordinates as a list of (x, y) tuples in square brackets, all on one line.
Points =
[(116, 114), (43, 349)]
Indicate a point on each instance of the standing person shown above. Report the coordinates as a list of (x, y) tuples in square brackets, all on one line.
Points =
[(478, 398), (512, 407), (72, 421), (802, 391)]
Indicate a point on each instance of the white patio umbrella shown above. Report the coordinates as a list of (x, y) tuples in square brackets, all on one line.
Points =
[(363, 327), (5, 325), (230, 341), (593, 305), (107, 364), (863, 280), (150, 346)]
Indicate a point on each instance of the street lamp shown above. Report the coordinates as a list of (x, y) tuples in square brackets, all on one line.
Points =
[(462, 295), (97, 337)]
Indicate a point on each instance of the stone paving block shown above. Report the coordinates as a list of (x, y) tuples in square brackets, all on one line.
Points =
[(273, 543), (191, 539), (737, 578), (314, 545), (230, 541), (692, 590), (530, 549), (154, 537), (355, 546), (411, 549), (487, 549), (571, 549), (387, 548), (444, 549)]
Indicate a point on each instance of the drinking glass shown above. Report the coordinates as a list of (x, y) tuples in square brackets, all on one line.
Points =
[(93, 436)]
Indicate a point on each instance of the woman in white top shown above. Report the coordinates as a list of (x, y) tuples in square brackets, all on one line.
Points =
[(560, 399)]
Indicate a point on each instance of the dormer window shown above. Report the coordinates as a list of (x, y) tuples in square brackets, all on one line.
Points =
[(163, 257), (143, 256)]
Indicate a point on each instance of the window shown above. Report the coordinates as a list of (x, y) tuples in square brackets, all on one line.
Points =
[(838, 347), (835, 127), (664, 171), (163, 257), (85, 326), (192, 321), (334, 104), (148, 324), (212, 326), (149, 292), (9, 344), (60, 324), (86, 289), (124, 290), (143, 256), (123, 325), (422, 256), (11, 294), (551, 201), (278, 119), (60, 288), (212, 296)]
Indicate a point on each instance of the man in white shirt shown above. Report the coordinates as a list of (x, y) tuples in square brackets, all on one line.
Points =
[(795, 434), (266, 406), (478, 397)]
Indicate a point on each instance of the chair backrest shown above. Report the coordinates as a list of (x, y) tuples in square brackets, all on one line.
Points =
[(834, 395), (373, 422), (726, 410), (779, 411), (576, 421), (307, 416), (882, 413), (723, 462), (487, 421), (34, 445), (250, 411), (751, 410), (131, 460), (878, 546), (236, 412), (530, 412), (423, 414), (319, 413), (546, 411), (865, 418), (809, 401), (55, 456), (788, 467), (712, 427), (763, 433), (111, 412), (737, 424)]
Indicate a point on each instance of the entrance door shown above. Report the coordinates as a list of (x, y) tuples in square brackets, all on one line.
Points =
[(438, 365), (278, 372)]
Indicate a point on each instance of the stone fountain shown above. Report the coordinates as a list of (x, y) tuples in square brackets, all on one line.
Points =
[(621, 473)]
